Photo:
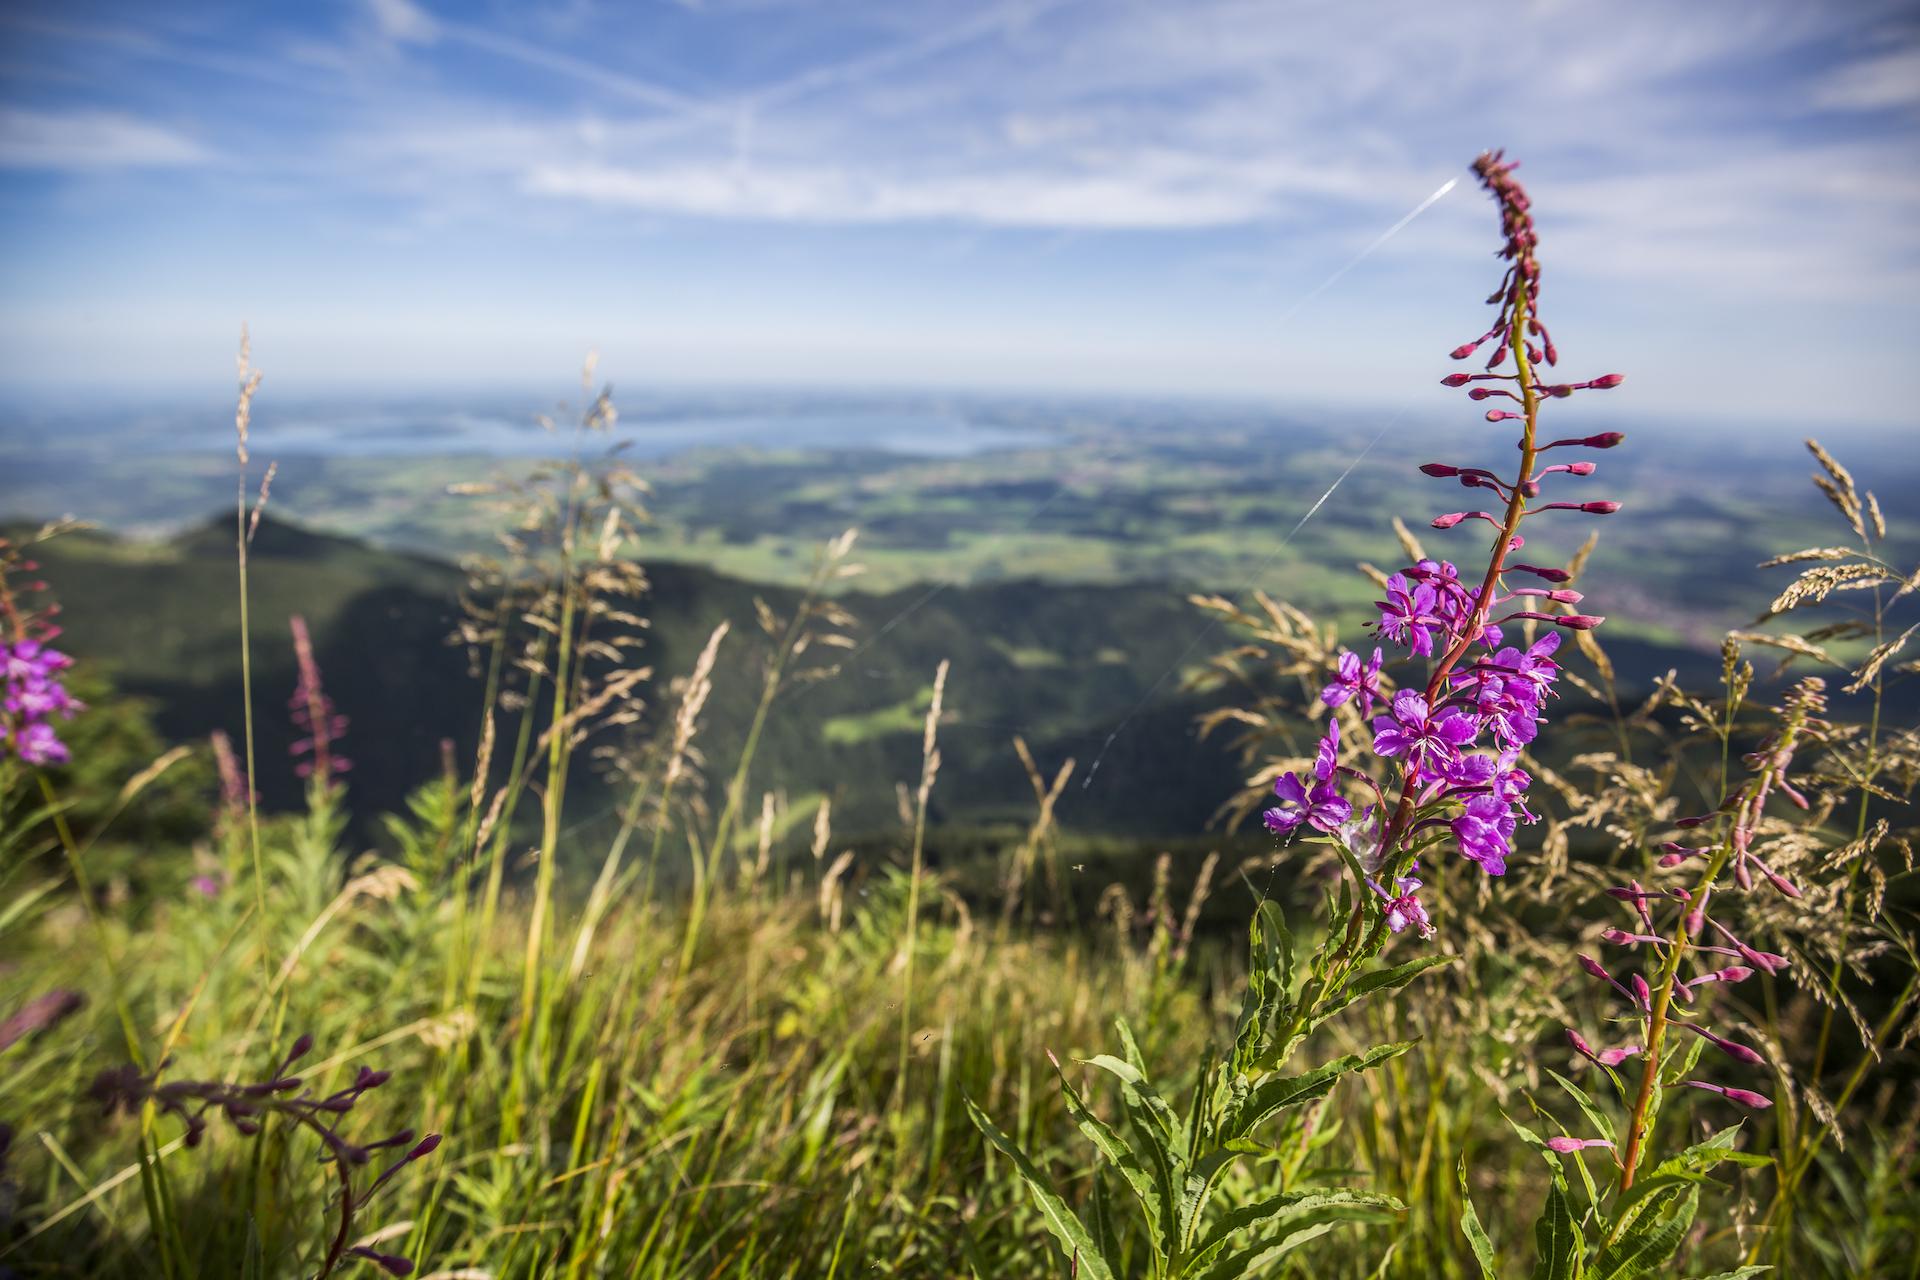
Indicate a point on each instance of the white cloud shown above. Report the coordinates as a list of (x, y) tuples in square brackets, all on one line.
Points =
[(87, 140), (403, 20), (1873, 84)]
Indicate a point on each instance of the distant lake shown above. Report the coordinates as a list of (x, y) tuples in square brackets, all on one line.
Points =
[(374, 430)]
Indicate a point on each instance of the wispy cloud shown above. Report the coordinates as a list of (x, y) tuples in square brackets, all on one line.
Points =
[(91, 140)]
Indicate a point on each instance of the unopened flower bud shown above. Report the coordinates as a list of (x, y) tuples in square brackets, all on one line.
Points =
[(1464, 350), (1551, 575), (1457, 379), (1608, 382), (1567, 1146), (1440, 470)]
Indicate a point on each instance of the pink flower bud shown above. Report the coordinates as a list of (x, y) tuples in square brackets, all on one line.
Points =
[(1580, 468), (1440, 470), (1449, 520), (1457, 379), (1567, 1146), (1608, 382), (1599, 508), (1464, 350), (1501, 415), (1551, 575), (1577, 621), (1732, 1048), (1745, 1097)]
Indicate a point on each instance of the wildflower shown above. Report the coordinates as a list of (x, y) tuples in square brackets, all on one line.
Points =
[(1354, 679), (38, 745), (32, 695), (1327, 757), (1321, 807), (1402, 907), (1485, 833), (1430, 743), (1407, 614)]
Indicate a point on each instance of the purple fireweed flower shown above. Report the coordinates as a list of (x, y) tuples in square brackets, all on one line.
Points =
[(1402, 907), (1327, 757), (38, 745), (1485, 833), (1321, 807), (1407, 615), (1429, 743), (32, 695), (1745, 1097), (1355, 679)]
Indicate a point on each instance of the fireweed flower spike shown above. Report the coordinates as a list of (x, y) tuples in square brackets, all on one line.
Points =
[(32, 696), (1677, 995), (1454, 742), (313, 714)]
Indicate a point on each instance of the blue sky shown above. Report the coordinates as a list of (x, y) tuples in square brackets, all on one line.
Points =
[(1078, 194)]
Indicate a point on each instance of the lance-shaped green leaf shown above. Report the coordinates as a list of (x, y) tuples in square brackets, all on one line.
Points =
[(1280, 1217), (1270, 1097), (1254, 1260), (1475, 1233), (1561, 1248), (1203, 1176), (1652, 1239), (1693, 1164), (1144, 1102), (1082, 1246), (1146, 1184), (1602, 1123)]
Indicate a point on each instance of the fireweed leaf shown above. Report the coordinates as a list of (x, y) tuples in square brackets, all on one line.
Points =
[(1271, 1097), (1475, 1233), (1557, 1236), (1147, 1189), (1652, 1239), (1289, 1221), (1601, 1122), (1080, 1244)]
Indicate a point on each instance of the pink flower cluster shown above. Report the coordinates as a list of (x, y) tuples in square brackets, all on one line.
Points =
[(32, 696)]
